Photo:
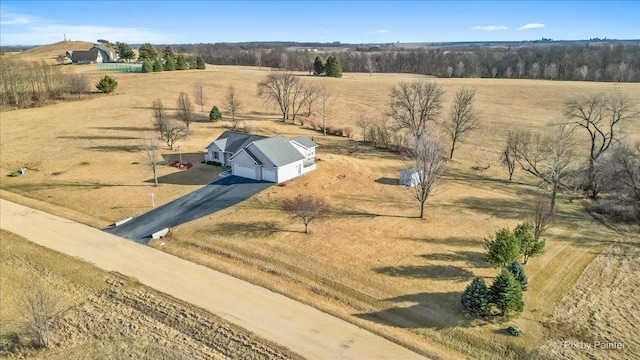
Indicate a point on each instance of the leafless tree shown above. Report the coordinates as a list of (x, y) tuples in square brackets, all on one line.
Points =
[(584, 71), (299, 97), (462, 117), (427, 157), (257, 55), (200, 95), (184, 110), (364, 123), (627, 163), (77, 83), (521, 67), (535, 70), (370, 65), (170, 132), (510, 152), (414, 104), (233, 105), (326, 105), (306, 208), (40, 310), (509, 72), (541, 216), (460, 69), (151, 156), (602, 117), (312, 94), (449, 71), (276, 89)]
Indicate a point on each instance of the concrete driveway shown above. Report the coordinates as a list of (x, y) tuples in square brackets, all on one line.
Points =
[(214, 197)]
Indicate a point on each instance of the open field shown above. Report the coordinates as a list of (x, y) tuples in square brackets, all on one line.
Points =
[(109, 316), (372, 261)]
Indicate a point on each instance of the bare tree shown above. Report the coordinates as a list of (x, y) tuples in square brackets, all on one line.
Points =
[(151, 156), (170, 132), (313, 93), (233, 105), (414, 104), (41, 309), (364, 123), (584, 71), (460, 69), (370, 65), (602, 117), (449, 71), (276, 89), (184, 110), (427, 157), (257, 55), (462, 117), (306, 208), (298, 98), (521, 67), (326, 104), (540, 215), (535, 70), (200, 95), (510, 152), (627, 163)]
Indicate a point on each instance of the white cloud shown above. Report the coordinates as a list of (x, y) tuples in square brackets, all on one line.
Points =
[(15, 19), (531, 26), (490, 27), (382, 31)]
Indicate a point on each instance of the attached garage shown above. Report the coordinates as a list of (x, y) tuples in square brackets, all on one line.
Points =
[(269, 174), (246, 171)]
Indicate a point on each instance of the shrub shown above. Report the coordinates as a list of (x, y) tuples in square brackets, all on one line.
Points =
[(337, 132), (348, 131), (107, 84), (77, 83), (518, 273), (15, 174), (515, 330), (506, 294), (475, 298)]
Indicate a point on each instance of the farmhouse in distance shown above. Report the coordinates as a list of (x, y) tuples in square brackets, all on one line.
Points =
[(275, 159), (97, 54)]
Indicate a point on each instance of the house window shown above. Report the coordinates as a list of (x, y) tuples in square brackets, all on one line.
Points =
[(215, 155)]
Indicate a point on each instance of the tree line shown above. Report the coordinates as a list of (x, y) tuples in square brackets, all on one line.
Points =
[(590, 62)]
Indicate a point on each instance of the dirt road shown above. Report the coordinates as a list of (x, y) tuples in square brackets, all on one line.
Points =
[(301, 328)]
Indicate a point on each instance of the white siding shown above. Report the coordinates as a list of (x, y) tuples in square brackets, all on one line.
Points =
[(245, 171), (289, 171), (270, 174)]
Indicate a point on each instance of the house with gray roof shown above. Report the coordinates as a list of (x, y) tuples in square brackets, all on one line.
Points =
[(97, 54), (275, 159)]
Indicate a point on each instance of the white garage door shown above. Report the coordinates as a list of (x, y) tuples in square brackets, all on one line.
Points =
[(244, 171), (269, 174)]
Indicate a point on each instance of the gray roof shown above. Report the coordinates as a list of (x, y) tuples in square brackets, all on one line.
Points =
[(304, 141), (279, 150), (84, 55), (231, 141)]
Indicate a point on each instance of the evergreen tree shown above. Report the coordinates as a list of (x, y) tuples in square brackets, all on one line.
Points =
[(518, 273), (333, 67), (215, 114), (147, 52), (475, 298), (107, 84), (318, 67), (529, 244), (506, 294), (125, 52), (157, 65), (191, 62), (147, 66), (181, 63), (200, 63), (170, 64), (502, 248), (167, 52)]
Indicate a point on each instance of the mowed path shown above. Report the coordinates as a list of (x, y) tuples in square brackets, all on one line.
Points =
[(302, 328)]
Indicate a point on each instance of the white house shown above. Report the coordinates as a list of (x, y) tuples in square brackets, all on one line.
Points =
[(275, 159)]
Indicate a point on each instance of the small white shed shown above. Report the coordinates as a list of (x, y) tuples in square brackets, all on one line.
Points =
[(409, 177)]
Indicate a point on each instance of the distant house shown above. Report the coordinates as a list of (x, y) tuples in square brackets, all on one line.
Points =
[(275, 159), (409, 177), (97, 54)]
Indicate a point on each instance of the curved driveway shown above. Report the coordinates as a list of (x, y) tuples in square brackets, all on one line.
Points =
[(210, 198), (302, 328)]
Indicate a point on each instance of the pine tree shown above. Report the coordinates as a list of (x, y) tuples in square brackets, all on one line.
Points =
[(518, 273), (502, 248), (333, 67), (157, 65), (181, 63), (506, 294), (215, 114), (125, 52), (529, 244), (318, 67), (475, 298), (147, 52), (170, 64), (200, 63), (147, 66), (107, 84)]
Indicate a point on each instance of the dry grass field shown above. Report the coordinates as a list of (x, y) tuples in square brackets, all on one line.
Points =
[(108, 316), (372, 261)]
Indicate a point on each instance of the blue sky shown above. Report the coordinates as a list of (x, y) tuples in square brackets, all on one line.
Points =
[(162, 22)]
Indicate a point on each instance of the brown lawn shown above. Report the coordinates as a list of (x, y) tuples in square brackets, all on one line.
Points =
[(372, 261)]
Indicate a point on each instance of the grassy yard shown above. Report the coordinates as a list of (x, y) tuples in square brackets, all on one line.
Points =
[(372, 261)]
